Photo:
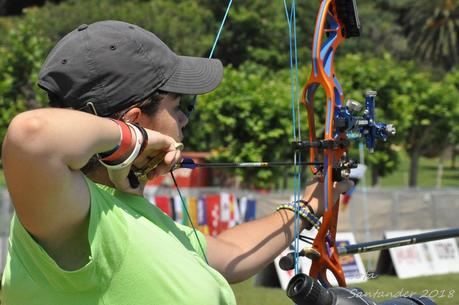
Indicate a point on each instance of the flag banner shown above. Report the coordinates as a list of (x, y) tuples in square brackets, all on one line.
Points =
[(242, 203), (225, 207), (250, 213), (225, 212), (213, 213), (193, 209), (235, 217), (164, 203), (202, 211), (178, 209)]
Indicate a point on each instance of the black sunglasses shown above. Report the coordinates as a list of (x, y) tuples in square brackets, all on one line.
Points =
[(187, 103)]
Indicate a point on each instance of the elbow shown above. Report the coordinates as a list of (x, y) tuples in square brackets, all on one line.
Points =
[(25, 132)]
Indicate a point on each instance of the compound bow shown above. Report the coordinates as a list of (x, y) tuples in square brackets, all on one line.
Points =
[(336, 21)]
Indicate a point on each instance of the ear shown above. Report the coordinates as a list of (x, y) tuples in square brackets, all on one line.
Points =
[(132, 116)]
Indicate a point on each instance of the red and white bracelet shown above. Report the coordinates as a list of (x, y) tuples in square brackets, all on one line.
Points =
[(114, 159)]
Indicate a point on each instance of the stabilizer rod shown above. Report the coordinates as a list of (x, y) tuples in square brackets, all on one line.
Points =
[(398, 241)]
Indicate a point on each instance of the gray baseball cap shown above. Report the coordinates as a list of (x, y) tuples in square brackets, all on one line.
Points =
[(107, 66)]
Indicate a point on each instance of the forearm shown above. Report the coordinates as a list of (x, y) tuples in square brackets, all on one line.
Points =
[(65, 135), (247, 248)]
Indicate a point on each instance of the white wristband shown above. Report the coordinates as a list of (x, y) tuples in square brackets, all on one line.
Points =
[(133, 155)]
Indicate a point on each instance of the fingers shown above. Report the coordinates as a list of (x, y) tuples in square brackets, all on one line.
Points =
[(159, 141), (161, 163)]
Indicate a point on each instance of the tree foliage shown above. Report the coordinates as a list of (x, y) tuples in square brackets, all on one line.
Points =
[(19, 65), (182, 24), (422, 110), (431, 28), (246, 119), (249, 118)]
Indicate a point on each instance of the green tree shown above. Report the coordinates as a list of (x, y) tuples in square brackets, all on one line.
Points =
[(452, 78), (423, 111), (432, 29), (184, 25), (19, 65), (28, 39), (257, 31), (248, 118)]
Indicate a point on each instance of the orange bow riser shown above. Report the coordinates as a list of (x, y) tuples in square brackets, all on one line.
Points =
[(336, 21)]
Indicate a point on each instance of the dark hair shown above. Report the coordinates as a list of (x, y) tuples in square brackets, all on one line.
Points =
[(148, 106)]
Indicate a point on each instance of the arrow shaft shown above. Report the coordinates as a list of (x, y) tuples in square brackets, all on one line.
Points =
[(244, 164)]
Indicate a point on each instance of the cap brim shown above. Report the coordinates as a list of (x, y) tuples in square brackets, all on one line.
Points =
[(194, 75)]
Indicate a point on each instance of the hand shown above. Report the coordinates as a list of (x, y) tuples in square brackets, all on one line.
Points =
[(157, 160), (314, 194), (158, 145)]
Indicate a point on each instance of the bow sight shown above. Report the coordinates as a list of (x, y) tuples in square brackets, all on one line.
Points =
[(354, 123), (364, 125)]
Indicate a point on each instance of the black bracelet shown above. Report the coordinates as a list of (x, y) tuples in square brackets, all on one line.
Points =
[(144, 135)]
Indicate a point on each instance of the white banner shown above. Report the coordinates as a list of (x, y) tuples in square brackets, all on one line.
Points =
[(435, 257)]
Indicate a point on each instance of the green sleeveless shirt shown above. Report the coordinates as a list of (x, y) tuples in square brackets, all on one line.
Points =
[(139, 256)]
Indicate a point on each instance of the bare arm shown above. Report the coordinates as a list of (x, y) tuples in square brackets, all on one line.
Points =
[(242, 251), (42, 153)]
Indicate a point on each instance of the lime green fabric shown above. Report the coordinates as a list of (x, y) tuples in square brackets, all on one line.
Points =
[(138, 256)]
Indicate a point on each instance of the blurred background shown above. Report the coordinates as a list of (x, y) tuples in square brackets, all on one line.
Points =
[(408, 52)]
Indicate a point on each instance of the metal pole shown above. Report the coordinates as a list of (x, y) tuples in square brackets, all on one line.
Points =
[(365, 204)]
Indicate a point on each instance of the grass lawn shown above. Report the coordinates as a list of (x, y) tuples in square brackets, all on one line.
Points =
[(427, 174), (443, 289)]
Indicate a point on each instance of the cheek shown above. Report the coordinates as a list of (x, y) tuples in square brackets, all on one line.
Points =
[(155, 121), (162, 122)]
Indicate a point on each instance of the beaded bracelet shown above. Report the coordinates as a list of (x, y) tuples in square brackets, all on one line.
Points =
[(307, 215)]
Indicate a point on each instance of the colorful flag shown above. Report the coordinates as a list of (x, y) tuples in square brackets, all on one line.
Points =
[(225, 212), (250, 212), (202, 211), (193, 209), (178, 210), (235, 216), (164, 203), (213, 213)]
